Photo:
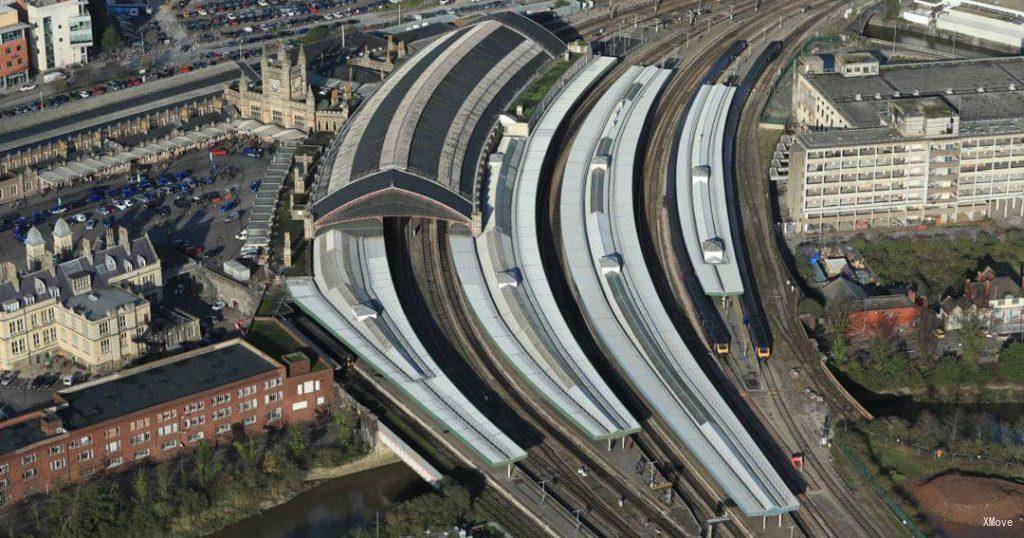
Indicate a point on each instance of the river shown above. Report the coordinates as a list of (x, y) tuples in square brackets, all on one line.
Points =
[(333, 508)]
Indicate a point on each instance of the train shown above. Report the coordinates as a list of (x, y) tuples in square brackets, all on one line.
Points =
[(753, 311), (714, 327), (711, 323)]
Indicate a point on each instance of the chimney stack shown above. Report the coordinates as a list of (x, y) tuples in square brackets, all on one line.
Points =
[(334, 98), (50, 424), (122, 239), (10, 273), (109, 238)]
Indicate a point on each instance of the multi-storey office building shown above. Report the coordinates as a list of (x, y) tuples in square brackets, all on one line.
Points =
[(61, 32), (923, 143), (152, 412), (14, 57)]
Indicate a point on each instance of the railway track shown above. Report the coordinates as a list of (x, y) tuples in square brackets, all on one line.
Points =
[(653, 440), (658, 155), (361, 384), (770, 273), (552, 456)]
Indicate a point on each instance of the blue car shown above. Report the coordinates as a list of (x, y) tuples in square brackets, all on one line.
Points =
[(94, 197), (253, 152), (227, 206), (207, 180), (108, 222), (163, 181), (255, 185), (38, 217), (182, 174)]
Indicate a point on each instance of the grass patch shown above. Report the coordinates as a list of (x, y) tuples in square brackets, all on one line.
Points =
[(285, 223), (270, 337), (533, 95)]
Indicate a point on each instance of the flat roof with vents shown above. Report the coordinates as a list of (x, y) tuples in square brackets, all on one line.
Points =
[(161, 382)]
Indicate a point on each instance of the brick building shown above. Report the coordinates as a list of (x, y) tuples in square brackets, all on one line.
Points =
[(14, 56), (153, 411), (868, 316)]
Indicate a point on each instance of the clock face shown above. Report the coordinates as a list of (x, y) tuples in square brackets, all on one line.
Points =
[(275, 84)]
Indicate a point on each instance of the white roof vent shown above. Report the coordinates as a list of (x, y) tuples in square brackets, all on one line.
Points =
[(509, 278), (1013, 87), (93, 297), (916, 93), (858, 97), (981, 89), (611, 264), (949, 91), (897, 94), (878, 96)]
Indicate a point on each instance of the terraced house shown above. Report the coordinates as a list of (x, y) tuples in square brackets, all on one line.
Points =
[(92, 306)]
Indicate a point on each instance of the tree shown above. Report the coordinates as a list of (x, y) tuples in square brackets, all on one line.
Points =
[(972, 336), (837, 322), (922, 336), (111, 40)]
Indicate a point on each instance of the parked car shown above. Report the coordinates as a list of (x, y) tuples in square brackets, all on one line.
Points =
[(218, 306), (90, 224), (27, 88), (219, 152), (79, 217)]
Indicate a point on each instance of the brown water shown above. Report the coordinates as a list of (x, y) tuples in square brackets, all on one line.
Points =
[(333, 508)]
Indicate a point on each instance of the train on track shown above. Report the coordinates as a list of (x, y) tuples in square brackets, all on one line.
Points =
[(711, 323), (753, 312), (709, 317)]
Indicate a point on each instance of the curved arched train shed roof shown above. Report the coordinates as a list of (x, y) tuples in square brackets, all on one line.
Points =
[(413, 148)]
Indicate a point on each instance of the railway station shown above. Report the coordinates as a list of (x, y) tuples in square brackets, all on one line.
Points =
[(606, 265), (414, 147), (510, 295), (700, 187)]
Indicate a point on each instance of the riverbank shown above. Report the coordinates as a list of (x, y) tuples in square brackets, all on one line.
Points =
[(380, 456), (332, 507)]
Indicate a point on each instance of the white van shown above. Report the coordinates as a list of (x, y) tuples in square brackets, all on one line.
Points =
[(53, 76)]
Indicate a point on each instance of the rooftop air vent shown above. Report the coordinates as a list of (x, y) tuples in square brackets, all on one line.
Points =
[(949, 91), (917, 93), (981, 89), (878, 96), (93, 297), (897, 95), (857, 97), (1013, 87)]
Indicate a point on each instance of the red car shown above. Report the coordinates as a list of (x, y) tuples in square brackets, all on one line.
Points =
[(99, 90), (194, 251), (134, 82), (219, 152), (184, 69)]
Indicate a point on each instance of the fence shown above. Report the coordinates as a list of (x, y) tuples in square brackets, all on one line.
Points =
[(579, 65), (1009, 468), (879, 491)]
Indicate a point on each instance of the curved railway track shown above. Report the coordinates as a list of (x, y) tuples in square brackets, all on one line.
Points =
[(658, 154), (553, 457), (681, 465), (771, 273)]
